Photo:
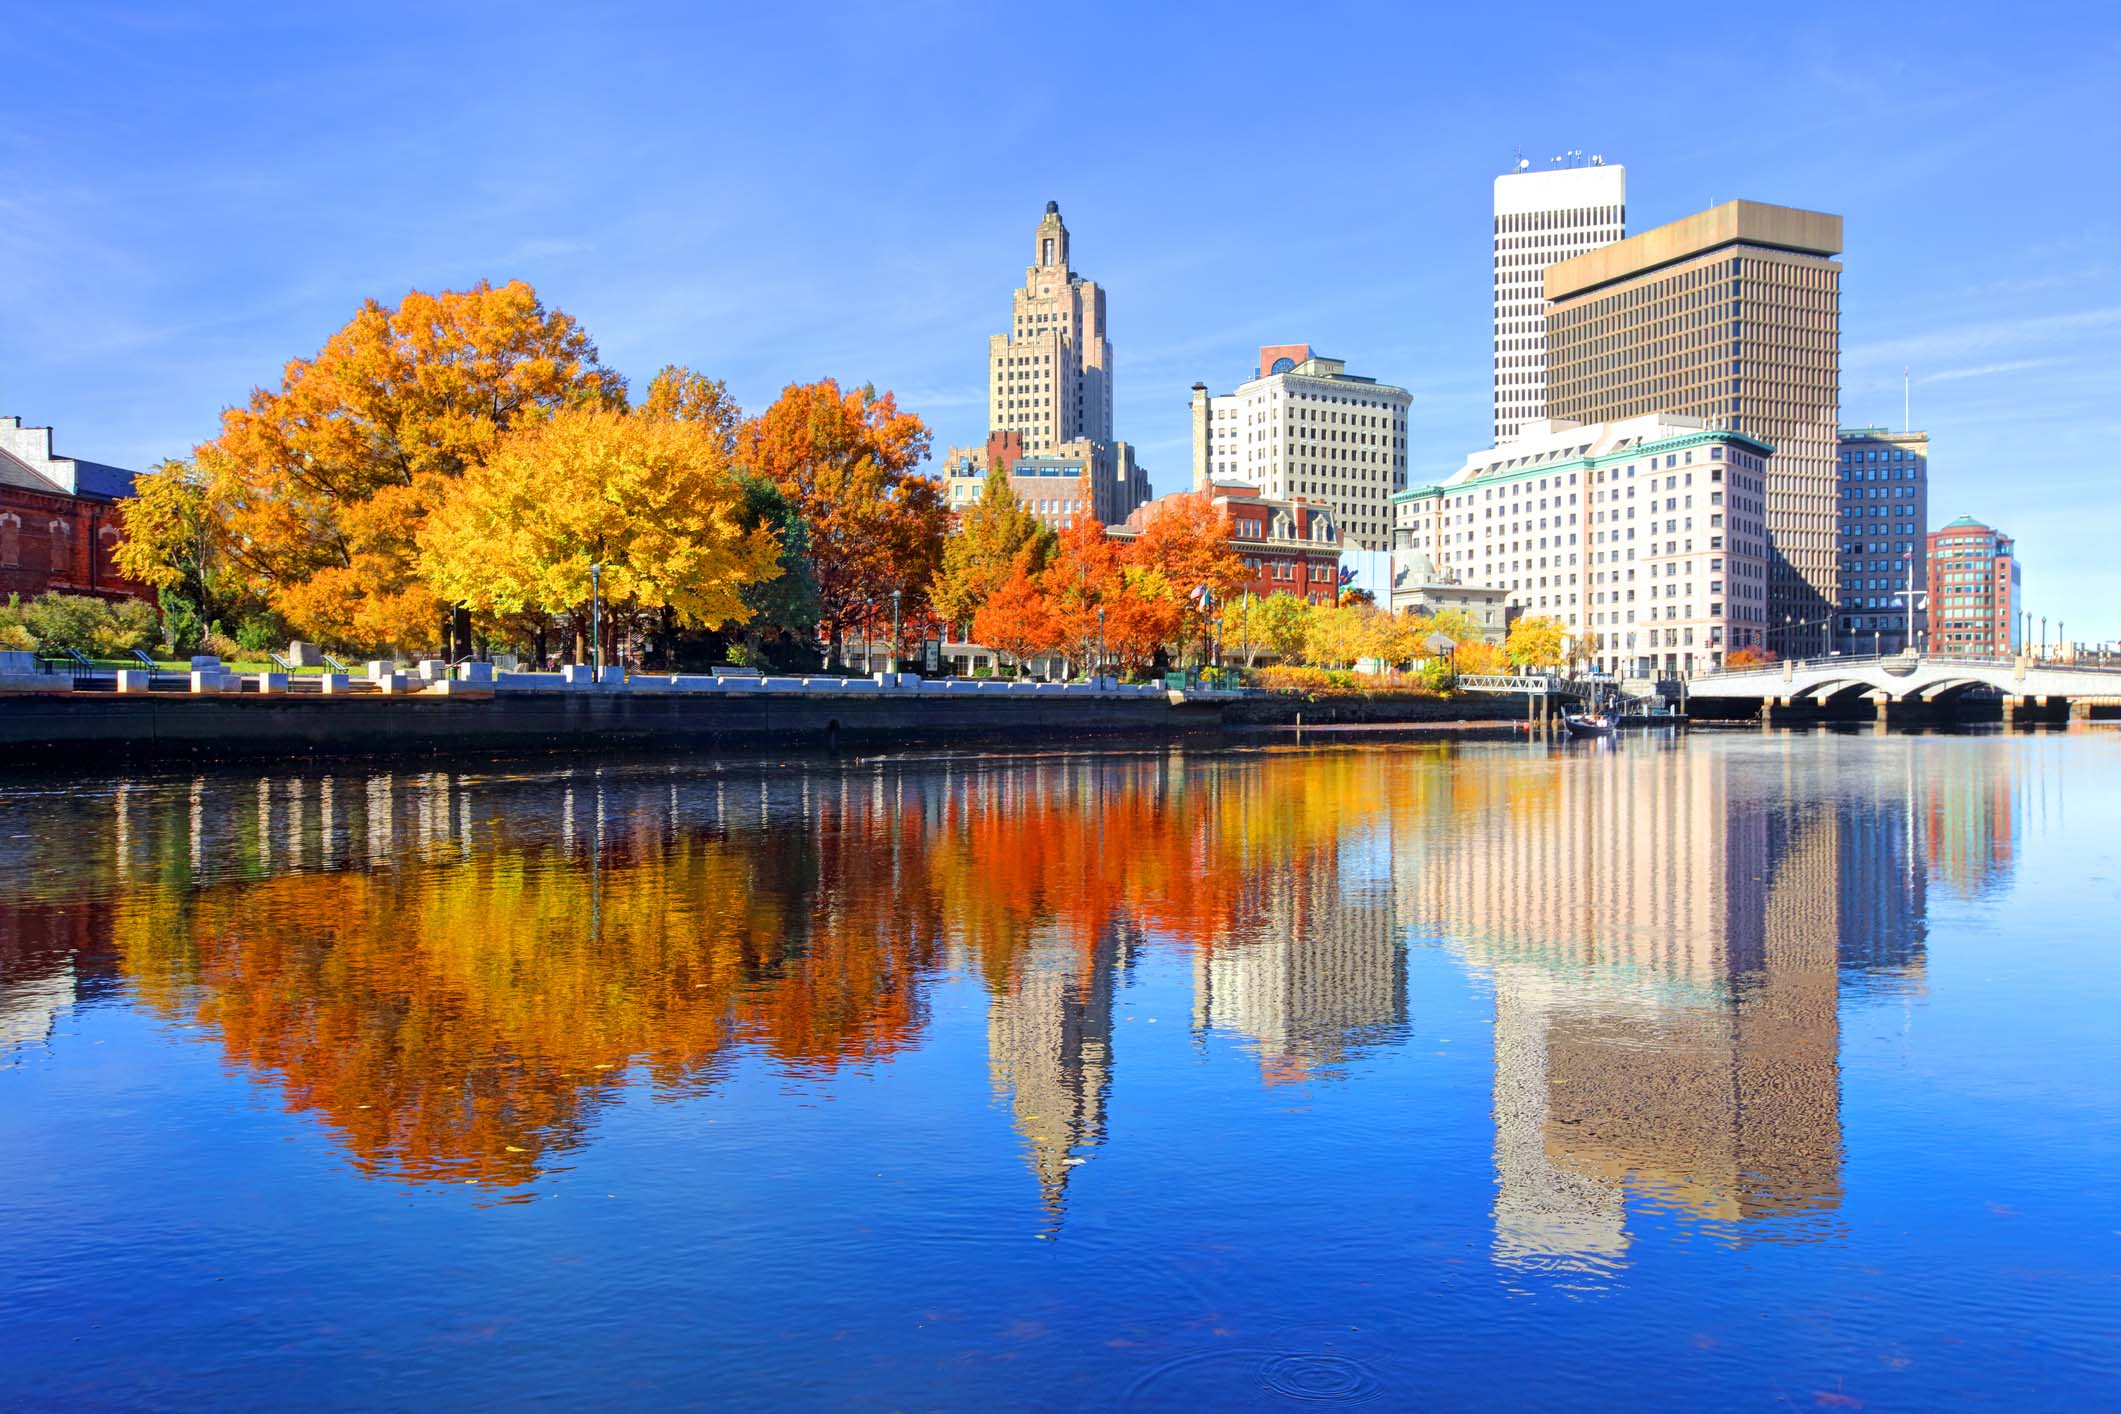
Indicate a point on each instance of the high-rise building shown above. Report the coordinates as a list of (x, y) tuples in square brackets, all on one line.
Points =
[(1049, 397), (1306, 428), (1050, 376), (1732, 315), (1885, 508), (1976, 588), (1646, 537), (1542, 217)]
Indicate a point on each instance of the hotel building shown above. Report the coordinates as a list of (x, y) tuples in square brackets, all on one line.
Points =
[(1885, 507), (1732, 316), (1541, 218), (1646, 537), (1976, 588), (1306, 427)]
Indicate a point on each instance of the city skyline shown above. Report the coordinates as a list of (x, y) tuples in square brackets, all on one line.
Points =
[(173, 251)]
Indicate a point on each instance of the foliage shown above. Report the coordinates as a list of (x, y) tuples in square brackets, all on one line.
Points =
[(788, 601), (1534, 641), (1454, 623), (1479, 658), (678, 394), (652, 500), (1357, 596), (1184, 547), (182, 624), (1747, 657), (992, 535), (258, 633), (848, 462), (1016, 619), (320, 489), (1290, 677), (1274, 626), (99, 628)]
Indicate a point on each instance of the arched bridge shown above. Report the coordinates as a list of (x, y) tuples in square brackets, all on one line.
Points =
[(2026, 686)]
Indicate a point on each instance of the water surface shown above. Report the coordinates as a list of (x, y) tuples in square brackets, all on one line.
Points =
[(1753, 1071)]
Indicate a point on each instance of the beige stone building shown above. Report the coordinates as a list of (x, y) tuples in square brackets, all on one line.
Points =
[(1646, 537), (1077, 478), (1307, 428), (1733, 316), (1050, 376)]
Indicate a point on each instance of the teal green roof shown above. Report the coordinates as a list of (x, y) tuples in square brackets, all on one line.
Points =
[(1965, 523)]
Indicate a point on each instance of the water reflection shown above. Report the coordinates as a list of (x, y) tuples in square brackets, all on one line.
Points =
[(454, 973)]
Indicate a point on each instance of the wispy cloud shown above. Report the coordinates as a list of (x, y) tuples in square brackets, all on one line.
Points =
[(1986, 336)]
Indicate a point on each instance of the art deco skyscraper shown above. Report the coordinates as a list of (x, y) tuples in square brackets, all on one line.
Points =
[(1542, 217), (1733, 316), (1050, 376)]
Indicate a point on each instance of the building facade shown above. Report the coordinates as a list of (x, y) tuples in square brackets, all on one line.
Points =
[(1288, 546), (1732, 316), (1307, 428), (1540, 218), (1885, 509), (1097, 478), (1646, 537), (59, 524), (1976, 591), (1418, 587), (1050, 376)]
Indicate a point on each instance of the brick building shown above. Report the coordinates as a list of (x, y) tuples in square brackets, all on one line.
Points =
[(58, 518), (1289, 547)]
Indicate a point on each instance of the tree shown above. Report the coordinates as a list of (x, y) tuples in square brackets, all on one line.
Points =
[(1284, 622), (1083, 577), (321, 487), (677, 394), (1456, 624), (653, 501), (1016, 619), (847, 460), (1747, 657), (785, 602), (992, 535), (1534, 642), (1338, 635), (1478, 657), (1184, 548)]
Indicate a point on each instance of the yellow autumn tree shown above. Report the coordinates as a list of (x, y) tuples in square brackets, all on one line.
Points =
[(652, 500), (321, 487)]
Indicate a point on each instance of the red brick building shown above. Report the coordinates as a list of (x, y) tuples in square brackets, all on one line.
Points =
[(1289, 547), (58, 519)]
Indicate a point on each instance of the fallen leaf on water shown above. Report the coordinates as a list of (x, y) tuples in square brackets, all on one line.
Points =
[(514, 1150)]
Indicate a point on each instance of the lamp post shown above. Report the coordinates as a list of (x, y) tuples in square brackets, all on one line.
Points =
[(1100, 646), (596, 624), (894, 632)]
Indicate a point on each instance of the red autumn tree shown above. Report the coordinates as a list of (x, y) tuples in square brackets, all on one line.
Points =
[(1183, 549), (848, 461), (1016, 619)]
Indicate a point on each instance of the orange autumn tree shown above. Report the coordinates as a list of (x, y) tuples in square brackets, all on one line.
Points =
[(1017, 620), (321, 487), (1184, 548), (848, 461)]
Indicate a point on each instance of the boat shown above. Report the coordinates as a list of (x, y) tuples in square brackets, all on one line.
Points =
[(1587, 723)]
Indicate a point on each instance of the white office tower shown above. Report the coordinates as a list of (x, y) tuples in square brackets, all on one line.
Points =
[(1542, 217)]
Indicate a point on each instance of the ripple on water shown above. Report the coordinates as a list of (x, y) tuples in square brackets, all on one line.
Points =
[(1211, 1377)]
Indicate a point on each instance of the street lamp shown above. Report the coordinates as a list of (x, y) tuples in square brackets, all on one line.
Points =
[(596, 635), (894, 632), (1100, 645)]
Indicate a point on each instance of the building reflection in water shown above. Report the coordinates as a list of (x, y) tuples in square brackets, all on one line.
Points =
[(454, 973)]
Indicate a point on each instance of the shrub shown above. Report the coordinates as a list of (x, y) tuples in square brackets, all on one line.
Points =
[(258, 633), (54, 623)]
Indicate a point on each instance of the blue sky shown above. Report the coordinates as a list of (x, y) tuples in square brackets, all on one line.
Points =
[(187, 200)]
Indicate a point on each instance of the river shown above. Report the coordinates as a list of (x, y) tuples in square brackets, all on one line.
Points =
[(1746, 1070)]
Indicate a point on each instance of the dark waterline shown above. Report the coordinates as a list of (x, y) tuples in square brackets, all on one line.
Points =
[(1723, 1070)]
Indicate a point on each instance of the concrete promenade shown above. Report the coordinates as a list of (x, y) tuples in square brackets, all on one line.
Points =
[(57, 727)]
